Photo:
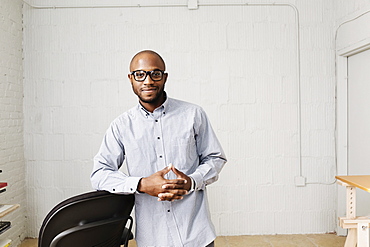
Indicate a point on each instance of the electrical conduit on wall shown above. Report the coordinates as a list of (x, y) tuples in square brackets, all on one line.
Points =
[(192, 5)]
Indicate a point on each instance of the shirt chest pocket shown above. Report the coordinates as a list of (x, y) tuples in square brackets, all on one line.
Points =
[(184, 152)]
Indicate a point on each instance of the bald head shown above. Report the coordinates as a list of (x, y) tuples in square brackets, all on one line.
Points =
[(146, 55), (150, 92)]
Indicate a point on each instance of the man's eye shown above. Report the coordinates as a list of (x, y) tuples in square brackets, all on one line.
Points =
[(139, 74)]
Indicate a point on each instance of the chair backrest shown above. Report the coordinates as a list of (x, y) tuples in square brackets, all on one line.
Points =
[(91, 219)]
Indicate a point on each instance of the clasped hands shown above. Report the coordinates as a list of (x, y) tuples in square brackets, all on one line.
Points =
[(166, 189)]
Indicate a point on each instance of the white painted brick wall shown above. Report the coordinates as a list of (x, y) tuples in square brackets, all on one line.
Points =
[(11, 117), (239, 63)]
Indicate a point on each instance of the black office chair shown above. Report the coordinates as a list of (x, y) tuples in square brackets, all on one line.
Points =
[(96, 218)]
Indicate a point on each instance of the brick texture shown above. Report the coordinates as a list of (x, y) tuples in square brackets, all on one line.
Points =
[(11, 117)]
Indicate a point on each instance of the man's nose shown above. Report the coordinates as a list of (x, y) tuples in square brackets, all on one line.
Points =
[(148, 80)]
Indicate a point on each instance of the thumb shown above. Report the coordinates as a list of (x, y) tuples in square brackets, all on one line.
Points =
[(178, 173), (165, 170)]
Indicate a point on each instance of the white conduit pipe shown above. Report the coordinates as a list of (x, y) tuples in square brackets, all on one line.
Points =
[(215, 5), (103, 6)]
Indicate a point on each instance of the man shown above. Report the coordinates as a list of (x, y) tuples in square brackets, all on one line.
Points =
[(171, 154)]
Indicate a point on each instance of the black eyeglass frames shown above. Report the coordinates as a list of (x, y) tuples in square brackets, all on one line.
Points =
[(155, 75)]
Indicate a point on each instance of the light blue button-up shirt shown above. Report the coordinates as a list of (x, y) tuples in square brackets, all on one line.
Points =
[(176, 132)]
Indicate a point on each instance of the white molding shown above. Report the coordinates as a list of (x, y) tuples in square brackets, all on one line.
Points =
[(355, 48), (342, 127)]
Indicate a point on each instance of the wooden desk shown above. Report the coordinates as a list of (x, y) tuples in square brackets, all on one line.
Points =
[(358, 227)]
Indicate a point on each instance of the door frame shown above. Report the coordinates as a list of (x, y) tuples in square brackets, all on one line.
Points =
[(342, 121), (342, 101), (352, 36)]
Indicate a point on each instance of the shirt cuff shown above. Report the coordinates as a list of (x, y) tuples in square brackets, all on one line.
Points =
[(192, 187), (129, 187), (198, 181)]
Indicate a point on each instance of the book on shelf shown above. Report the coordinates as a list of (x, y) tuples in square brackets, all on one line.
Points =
[(5, 242), (7, 208), (3, 185), (4, 207), (4, 225)]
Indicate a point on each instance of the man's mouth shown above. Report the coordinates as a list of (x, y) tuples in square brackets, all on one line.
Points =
[(148, 90)]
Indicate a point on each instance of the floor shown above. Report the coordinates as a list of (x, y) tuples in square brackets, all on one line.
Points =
[(305, 240)]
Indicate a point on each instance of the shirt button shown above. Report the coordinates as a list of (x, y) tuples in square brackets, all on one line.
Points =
[(156, 120), (168, 210), (158, 138), (160, 156)]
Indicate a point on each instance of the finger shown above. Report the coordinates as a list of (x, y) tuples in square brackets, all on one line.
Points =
[(164, 171), (176, 192), (175, 181), (173, 186), (169, 197), (177, 172)]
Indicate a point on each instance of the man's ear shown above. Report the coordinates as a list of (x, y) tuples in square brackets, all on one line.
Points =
[(165, 77), (130, 78)]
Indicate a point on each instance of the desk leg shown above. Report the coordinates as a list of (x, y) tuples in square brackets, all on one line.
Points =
[(351, 202), (351, 239), (363, 235)]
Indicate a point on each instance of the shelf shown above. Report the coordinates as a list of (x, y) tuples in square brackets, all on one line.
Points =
[(6, 209), (5, 242)]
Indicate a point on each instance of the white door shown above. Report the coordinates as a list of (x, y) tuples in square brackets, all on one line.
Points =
[(359, 123)]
